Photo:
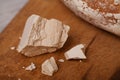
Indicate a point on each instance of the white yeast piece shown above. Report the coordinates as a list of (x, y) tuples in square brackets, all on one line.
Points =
[(12, 48), (30, 67), (49, 67), (80, 60), (41, 36), (75, 53), (19, 78), (61, 60)]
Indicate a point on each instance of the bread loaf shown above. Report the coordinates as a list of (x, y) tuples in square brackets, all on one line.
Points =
[(104, 14)]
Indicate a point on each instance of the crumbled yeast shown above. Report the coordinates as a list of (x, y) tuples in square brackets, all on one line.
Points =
[(30, 67), (12, 48), (61, 60)]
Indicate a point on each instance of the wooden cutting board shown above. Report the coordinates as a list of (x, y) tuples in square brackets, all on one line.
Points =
[(102, 48)]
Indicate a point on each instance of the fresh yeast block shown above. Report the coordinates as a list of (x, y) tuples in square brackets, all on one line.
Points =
[(49, 67), (75, 53), (41, 36)]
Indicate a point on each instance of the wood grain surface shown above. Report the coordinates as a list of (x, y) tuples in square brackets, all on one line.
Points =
[(102, 48)]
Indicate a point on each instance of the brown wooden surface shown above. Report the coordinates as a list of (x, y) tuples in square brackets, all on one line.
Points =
[(102, 51)]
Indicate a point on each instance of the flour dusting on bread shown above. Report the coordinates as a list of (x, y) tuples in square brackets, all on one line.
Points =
[(103, 14)]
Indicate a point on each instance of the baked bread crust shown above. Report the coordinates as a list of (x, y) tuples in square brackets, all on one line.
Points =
[(104, 14)]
